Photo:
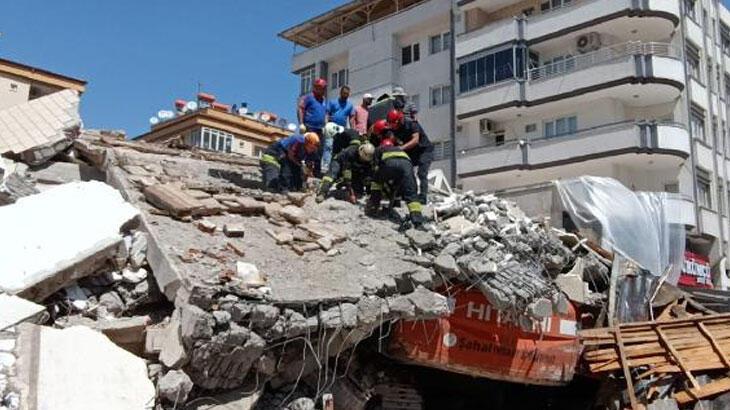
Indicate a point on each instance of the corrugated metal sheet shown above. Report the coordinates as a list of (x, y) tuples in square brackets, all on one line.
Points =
[(39, 122)]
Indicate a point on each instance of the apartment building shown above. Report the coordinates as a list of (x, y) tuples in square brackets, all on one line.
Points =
[(374, 46), (548, 89), (20, 83)]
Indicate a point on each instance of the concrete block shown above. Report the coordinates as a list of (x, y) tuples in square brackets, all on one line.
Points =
[(48, 250), (14, 310)]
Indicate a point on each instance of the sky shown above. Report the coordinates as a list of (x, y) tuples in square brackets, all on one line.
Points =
[(140, 55)]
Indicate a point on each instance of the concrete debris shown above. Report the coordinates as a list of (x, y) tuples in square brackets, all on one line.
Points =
[(14, 183), (303, 403), (70, 247), (56, 173), (175, 386), (41, 128), (14, 310), (53, 364), (249, 275), (293, 214), (206, 226), (172, 351), (234, 230)]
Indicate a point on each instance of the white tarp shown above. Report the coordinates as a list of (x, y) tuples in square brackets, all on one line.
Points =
[(45, 233), (634, 223)]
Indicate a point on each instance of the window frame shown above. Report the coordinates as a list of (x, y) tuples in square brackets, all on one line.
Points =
[(413, 52), (704, 188), (306, 79)]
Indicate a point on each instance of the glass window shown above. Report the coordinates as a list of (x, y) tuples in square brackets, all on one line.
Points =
[(549, 128), (416, 52), (222, 143), (306, 78), (436, 44), (503, 65), (561, 126), (206, 138), (447, 40), (697, 122), (693, 62), (491, 68), (689, 9), (410, 54), (229, 144), (704, 190)]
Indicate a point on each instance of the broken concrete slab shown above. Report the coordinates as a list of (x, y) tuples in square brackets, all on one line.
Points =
[(40, 128), (56, 173), (175, 386), (172, 351), (234, 230), (294, 214), (126, 332), (14, 310), (172, 199), (45, 252), (49, 371)]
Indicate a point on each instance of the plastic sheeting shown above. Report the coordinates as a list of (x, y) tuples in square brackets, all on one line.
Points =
[(635, 224)]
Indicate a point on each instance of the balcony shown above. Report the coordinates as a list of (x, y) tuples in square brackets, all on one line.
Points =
[(619, 71), (669, 140), (618, 18)]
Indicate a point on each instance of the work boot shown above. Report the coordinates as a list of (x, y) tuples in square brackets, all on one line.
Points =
[(418, 220)]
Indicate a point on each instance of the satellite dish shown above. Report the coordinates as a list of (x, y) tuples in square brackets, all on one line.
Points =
[(165, 114), (154, 120), (291, 127), (191, 105)]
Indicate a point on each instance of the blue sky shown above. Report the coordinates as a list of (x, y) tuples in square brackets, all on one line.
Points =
[(140, 55)]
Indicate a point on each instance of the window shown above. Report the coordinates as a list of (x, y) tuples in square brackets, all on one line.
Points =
[(439, 42), (258, 151), (725, 39), (560, 126), (441, 150), (689, 9), (710, 77), (546, 6), (490, 69), (530, 128), (693, 62), (410, 54), (339, 78), (704, 191), (697, 122), (13, 87), (440, 95), (671, 188), (714, 132), (306, 79), (212, 139)]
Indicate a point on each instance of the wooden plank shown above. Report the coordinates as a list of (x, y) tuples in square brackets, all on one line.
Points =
[(710, 389), (624, 366), (714, 343), (677, 357)]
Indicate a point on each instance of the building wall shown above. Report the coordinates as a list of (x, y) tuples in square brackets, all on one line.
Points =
[(372, 55), (13, 91)]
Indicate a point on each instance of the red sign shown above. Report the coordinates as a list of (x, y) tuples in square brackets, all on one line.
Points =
[(696, 271), (481, 341)]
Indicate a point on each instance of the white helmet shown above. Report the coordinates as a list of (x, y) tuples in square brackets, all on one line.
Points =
[(332, 129), (366, 152)]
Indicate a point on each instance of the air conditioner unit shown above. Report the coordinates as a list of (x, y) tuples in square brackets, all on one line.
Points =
[(486, 126), (588, 42)]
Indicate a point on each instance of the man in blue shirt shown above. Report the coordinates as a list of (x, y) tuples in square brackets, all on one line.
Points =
[(312, 114), (339, 111)]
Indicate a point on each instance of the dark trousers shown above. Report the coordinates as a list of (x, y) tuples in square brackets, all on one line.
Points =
[(271, 174), (292, 178), (397, 173), (422, 160)]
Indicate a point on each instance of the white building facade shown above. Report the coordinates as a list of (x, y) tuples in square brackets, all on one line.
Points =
[(636, 90)]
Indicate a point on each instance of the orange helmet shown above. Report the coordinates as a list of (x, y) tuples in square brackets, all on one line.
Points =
[(380, 126), (311, 142)]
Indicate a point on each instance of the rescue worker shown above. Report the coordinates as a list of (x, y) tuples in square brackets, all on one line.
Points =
[(281, 162), (414, 141), (312, 115), (394, 173), (352, 166), (341, 137), (378, 131)]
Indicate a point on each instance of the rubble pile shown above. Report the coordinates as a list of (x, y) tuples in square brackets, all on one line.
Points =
[(489, 243)]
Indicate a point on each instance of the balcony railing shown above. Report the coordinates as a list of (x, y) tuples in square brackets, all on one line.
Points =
[(586, 132), (603, 55)]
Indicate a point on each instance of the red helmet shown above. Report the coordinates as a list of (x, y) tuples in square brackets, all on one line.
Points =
[(379, 127), (320, 82), (395, 118), (387, 142)]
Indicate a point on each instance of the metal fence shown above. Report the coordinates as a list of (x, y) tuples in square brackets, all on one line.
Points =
[(602, 56)]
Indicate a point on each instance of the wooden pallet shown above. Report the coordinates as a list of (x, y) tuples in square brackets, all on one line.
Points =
[(674, 346)]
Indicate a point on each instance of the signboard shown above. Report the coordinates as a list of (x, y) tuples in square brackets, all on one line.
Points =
[(481, 341), (696, 271)]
